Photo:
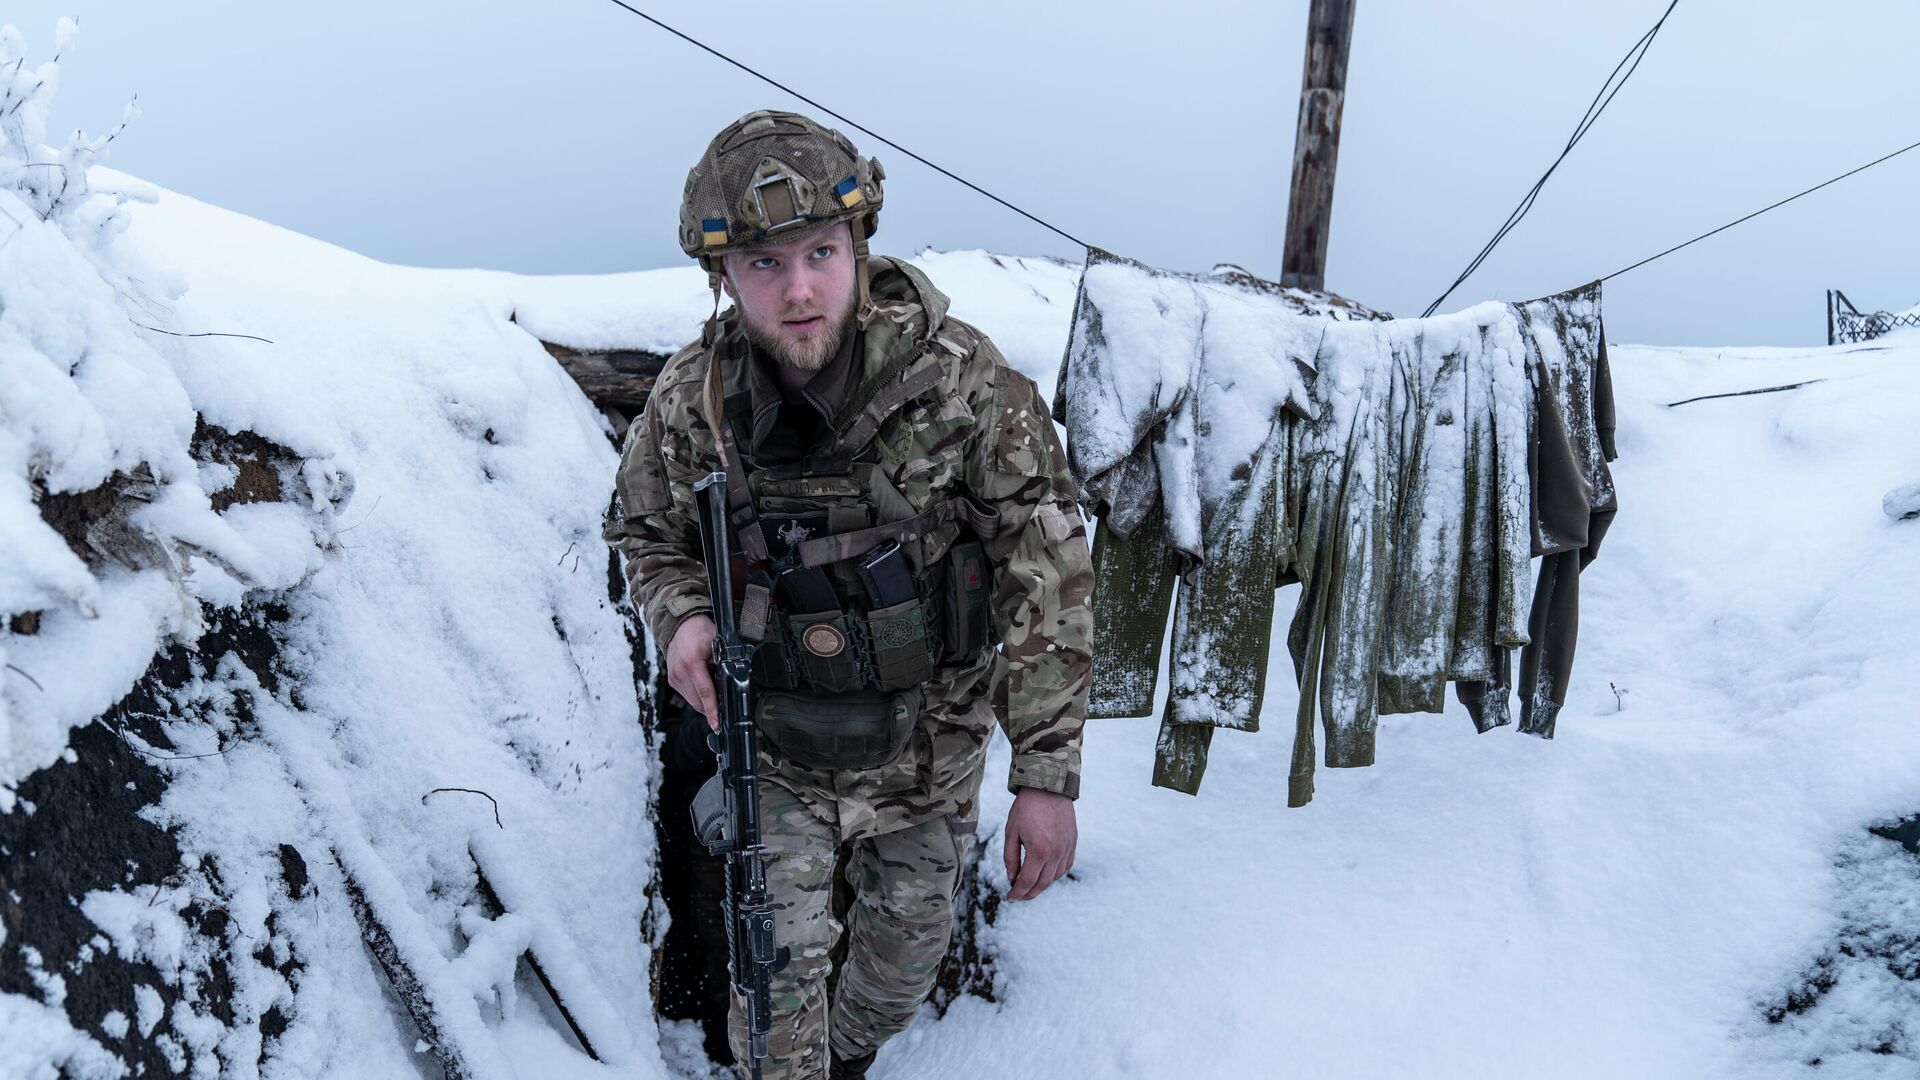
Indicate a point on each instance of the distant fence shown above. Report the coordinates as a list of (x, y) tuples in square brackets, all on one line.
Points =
[(1846, 323)]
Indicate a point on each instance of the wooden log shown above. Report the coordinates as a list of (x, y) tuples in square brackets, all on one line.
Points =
[(495, 909), (967, 969), (1316, 144), (406, 984), (615, 379)]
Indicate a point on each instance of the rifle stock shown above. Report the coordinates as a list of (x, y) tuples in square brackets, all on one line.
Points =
[(730, 823)]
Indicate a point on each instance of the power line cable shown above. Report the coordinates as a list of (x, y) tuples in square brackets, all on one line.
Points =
[(1760, 211), (1615, 80), (782, 87)]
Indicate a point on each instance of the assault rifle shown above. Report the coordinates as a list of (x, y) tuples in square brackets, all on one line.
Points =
[(726, 812)]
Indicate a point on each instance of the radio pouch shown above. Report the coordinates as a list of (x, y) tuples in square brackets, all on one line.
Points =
[(969, 623)]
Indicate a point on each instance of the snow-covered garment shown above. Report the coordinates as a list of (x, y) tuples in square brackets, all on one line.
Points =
[(1231, 437), (1573, 498), (1176, 391)]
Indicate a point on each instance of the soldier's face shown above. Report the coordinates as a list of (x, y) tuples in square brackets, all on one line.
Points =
[(796, 298)]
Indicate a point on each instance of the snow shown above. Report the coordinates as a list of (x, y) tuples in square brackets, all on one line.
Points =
[(91, 395), (143, 927), (1627, 900), (1903, 502), (1866, 976), (53, 988), (461, 480), (149, 1008), (38, 1045)]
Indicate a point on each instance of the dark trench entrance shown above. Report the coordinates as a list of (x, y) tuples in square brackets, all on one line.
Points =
[(690, 980)]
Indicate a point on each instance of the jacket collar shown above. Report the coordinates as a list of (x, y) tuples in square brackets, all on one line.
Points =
[(825, 392)]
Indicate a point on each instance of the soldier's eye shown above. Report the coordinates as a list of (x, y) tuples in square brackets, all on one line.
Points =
[(823, 251), (766, 262)]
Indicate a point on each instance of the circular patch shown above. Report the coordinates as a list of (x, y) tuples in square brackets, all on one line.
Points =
[(896, 633), (821, 639)]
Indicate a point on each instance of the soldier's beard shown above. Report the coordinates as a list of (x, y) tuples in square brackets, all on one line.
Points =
[(810, 353)]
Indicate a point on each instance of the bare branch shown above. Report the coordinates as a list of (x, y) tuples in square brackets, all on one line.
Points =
[(470, 791), (29, 678), (204, 333)]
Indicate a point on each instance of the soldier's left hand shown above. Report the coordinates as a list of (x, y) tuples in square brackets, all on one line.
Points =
[(1041, 836)]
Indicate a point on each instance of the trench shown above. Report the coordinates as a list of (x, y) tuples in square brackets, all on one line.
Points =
[(82, 826), (688, 975)]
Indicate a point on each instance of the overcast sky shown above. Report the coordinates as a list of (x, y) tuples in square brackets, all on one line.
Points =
[(554, 135)]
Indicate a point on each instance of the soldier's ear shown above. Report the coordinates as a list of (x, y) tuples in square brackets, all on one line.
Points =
[(726, 280)]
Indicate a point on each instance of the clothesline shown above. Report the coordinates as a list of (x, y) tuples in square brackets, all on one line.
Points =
[(1606, 95)]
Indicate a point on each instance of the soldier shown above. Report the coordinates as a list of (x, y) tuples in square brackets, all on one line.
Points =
[(902, 507)]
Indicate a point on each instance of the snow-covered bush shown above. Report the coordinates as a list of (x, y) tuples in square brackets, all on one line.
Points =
[(101, 507)]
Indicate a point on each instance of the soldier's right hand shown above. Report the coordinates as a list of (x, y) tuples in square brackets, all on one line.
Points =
[(688, 656)]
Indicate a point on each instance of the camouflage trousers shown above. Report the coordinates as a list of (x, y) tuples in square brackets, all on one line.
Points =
[(885, 922)]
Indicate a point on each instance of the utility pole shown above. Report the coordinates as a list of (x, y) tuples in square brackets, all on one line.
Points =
[(1316, 144)]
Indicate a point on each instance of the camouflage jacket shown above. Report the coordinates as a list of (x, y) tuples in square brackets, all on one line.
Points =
[(978, 429)]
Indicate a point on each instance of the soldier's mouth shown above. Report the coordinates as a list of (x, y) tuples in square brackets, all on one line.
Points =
[(812, 322)]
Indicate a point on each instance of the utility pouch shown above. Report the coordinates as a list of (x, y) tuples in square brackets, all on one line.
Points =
[(885, 576), (774, 663), (828, 657), (967, 597), (902, 652), (846, 731), (807, 588)]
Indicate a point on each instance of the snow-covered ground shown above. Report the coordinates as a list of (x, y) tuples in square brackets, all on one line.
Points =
[(1628, 900)]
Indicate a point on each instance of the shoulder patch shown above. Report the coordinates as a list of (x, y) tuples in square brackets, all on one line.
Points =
[(1024, 440)]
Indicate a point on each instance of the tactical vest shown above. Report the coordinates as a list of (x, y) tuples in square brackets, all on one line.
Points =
[(850, 612)]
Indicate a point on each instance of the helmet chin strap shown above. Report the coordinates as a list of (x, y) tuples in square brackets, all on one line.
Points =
[(711, 331), (863, 303)]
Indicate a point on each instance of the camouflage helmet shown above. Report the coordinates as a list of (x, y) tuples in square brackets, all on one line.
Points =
[(772, 174)]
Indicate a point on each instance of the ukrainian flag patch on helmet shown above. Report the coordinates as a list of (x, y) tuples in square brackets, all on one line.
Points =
[(849, 193), (713, 231)]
